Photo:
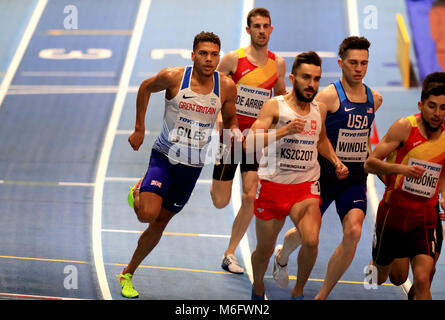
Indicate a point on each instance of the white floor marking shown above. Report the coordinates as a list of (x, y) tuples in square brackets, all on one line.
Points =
[(108, 144)]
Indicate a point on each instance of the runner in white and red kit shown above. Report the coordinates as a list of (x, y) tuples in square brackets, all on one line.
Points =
[(292, 128)]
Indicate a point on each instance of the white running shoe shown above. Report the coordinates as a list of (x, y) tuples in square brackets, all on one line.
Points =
[(230, 263), (280, 273)]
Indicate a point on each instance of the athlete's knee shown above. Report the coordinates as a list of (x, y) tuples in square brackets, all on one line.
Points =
[(353, 234), (248, 197), (422, 279), (264, 252), (397, 279), (162, 220), (310, 241), (146, 214), (219, 200), (267, 253)]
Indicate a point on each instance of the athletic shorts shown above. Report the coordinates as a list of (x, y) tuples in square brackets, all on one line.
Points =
[(174, 182), (225, 168), (275, 200), (346, 194), (397, 237)]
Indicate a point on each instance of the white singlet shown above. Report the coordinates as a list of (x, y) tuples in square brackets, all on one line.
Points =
[(293, 158), (189, 118)]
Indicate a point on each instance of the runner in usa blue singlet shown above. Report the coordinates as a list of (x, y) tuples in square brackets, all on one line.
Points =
[(348, 129)]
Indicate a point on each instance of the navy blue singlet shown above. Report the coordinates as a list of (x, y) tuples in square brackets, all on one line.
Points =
[(348, 129)]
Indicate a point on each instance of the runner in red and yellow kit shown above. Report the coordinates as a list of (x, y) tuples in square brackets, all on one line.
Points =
[(258, 73), (407, 217), (255, 85)]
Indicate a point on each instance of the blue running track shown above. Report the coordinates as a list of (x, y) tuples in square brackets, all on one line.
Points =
[(66, 166)]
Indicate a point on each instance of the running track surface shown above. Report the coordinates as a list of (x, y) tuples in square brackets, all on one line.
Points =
[(66, 166)]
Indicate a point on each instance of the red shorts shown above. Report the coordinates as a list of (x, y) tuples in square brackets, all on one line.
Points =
[(275, 199), (401, 232)]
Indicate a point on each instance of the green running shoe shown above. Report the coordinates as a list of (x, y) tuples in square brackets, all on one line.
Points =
[(131, 193), (127, 286)]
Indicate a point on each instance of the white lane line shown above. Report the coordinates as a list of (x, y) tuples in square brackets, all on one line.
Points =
[(205, 235), (33, 296), (66, 89), (206, 181), (245, 38), (236, 184), (244, 244), (60, 89), (48, 183), (69, 74), (73, 89), (76, 184), (135, 179), (324, 75), (21, 49), (122, 179), (128, 132), (352, 11), (108, 144), (293, 54)]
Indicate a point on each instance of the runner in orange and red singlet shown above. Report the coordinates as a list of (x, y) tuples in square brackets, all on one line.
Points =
[(258, 74)]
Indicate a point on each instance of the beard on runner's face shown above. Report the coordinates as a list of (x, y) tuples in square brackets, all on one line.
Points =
[(300, 93)]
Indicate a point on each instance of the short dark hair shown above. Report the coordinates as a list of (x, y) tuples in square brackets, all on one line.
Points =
[(433, 85), (206, 37), (353, 42), (310, 57), (262, 12)]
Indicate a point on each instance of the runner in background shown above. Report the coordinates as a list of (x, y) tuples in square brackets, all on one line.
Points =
[(258, 73)]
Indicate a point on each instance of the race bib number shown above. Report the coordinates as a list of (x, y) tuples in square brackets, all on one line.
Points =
[(297, 154), (190, 133), (315, 188), (425, 186), (352, 145), (250, 100)]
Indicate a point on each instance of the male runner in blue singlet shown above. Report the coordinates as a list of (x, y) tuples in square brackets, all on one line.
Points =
[(350, 113), (194, 95)]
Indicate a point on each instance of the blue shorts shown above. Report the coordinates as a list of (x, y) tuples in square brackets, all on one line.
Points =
[(174, 182), (346, 194)]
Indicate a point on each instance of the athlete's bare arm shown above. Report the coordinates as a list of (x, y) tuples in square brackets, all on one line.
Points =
[(228, 109), (325, 147), (280, 86), (168, 79), (267, 119), (395, 137), (226, 66), (329, 97), (378, 99), (228, 63)]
